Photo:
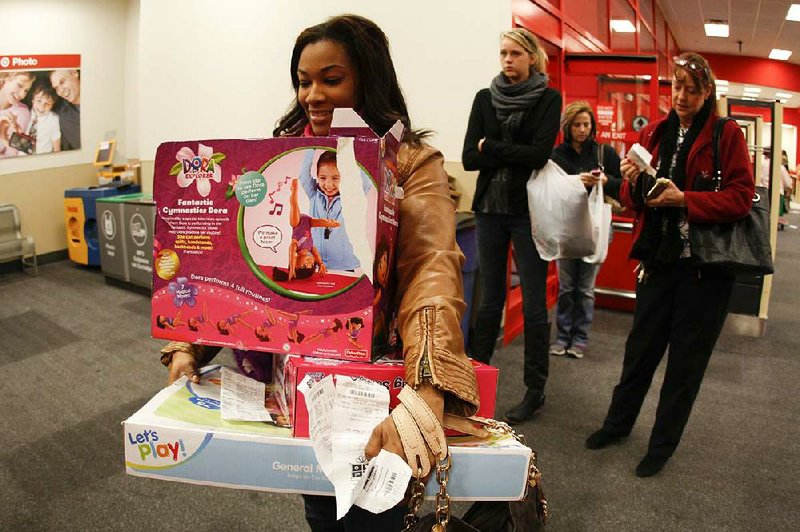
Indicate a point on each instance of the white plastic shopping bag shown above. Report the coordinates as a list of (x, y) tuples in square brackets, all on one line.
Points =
[(560, 220), (600, 212)]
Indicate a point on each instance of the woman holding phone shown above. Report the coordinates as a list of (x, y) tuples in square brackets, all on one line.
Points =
[(678, 305), (581, 155)]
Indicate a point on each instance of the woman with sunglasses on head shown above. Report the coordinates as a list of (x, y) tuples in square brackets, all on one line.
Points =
[(345, 62), (511, 131), (678, 306), (580, 155)]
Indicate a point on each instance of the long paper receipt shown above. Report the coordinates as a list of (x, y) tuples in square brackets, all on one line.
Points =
[(339, 434)]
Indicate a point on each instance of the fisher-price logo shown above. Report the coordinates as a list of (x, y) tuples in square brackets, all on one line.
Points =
[(147, 449), (200, 169)]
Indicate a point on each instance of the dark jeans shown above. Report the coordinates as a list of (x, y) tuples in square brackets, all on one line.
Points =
[(685, 310), (321, 517), (495, 232), (575, 301)]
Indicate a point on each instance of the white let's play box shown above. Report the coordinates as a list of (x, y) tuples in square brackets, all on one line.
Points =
[(179, 435)]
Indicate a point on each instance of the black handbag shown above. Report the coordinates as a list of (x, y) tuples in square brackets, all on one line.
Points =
[(740, 247)]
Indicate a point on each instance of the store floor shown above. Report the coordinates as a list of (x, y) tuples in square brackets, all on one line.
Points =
[(76, 361)]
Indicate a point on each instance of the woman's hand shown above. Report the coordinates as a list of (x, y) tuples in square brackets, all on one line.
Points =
[(385, 435), (671, 196), (590, 179), (183, 364), (629, 170)]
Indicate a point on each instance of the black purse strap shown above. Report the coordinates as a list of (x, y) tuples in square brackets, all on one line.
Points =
[(715, 136)]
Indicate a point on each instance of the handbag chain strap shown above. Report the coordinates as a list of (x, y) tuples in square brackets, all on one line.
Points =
[(442, 498), (534, 474), (417, 496)]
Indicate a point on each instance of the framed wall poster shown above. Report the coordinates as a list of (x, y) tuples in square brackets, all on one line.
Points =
[(40, 104)]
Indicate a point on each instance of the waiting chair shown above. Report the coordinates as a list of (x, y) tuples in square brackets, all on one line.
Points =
[(13, 245)]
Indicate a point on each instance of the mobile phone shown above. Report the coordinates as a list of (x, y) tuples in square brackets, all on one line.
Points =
[(659, 186), (21, 142), (596, 172)]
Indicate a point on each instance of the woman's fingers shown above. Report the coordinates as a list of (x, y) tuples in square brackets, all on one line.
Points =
[(384, 436), (375, 443)]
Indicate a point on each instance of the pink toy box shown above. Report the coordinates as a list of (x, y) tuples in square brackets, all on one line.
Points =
[(291, 371), (283, 245)]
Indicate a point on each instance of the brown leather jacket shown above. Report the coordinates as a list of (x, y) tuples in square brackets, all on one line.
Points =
[(429, 279)]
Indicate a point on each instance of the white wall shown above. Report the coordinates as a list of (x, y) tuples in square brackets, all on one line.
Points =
[(788, 140), (209, 69), (95, 30)]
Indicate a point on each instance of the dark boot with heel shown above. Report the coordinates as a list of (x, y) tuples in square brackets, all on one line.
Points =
[(526, 409), (536, 366)]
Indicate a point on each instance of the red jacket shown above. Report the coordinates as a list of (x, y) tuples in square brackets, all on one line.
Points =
[(735, 197)]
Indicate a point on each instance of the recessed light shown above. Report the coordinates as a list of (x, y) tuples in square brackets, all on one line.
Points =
[(722, 82), (622, 25), (783, 95), (748, 98), (752, 89), (781, 55), (717, 28), (794, 13), (647, 77)]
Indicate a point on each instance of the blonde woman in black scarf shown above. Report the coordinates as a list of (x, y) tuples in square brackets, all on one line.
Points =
[(511, 132)]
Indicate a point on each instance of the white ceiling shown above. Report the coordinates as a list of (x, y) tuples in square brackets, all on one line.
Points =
[(760, 25)]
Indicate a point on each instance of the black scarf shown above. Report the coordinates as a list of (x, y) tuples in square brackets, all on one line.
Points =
[(660, 242), (511, 100)]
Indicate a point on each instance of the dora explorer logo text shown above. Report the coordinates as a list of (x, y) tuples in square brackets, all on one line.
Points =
[(149, 448)]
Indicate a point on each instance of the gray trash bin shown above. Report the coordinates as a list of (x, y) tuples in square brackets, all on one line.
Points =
[(111, 232), (139, 215)]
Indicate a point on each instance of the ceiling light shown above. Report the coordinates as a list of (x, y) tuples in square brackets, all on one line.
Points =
[(794, 13), (748, 98), (717, 28), (647, 77), (722, 82), (722, 89), (783, 95), (781, 55), (755, 90), (622, 25)]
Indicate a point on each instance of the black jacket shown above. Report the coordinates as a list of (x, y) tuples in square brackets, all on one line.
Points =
[(573, 163), (529, 150)]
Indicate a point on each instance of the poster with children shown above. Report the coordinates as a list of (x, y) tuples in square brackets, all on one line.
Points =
[(282, 245), (40, 104)]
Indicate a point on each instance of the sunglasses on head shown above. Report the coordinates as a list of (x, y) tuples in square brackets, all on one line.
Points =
[(692, 65)]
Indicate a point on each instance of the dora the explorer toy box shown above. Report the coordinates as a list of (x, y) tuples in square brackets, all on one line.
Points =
[(282, 245)]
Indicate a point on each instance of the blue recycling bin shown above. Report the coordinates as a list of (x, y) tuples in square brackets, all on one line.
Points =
[(466, 237), (80, 218)]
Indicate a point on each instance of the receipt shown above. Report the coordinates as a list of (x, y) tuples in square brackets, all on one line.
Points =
[(360, 405), (320, 396), (642, 158), (242, 398), (384, 484)]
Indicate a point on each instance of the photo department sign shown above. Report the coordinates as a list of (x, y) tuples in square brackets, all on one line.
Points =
[(40, 104)]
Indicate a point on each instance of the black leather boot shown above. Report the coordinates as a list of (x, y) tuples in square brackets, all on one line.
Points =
[(536, 367), (525, 410)]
